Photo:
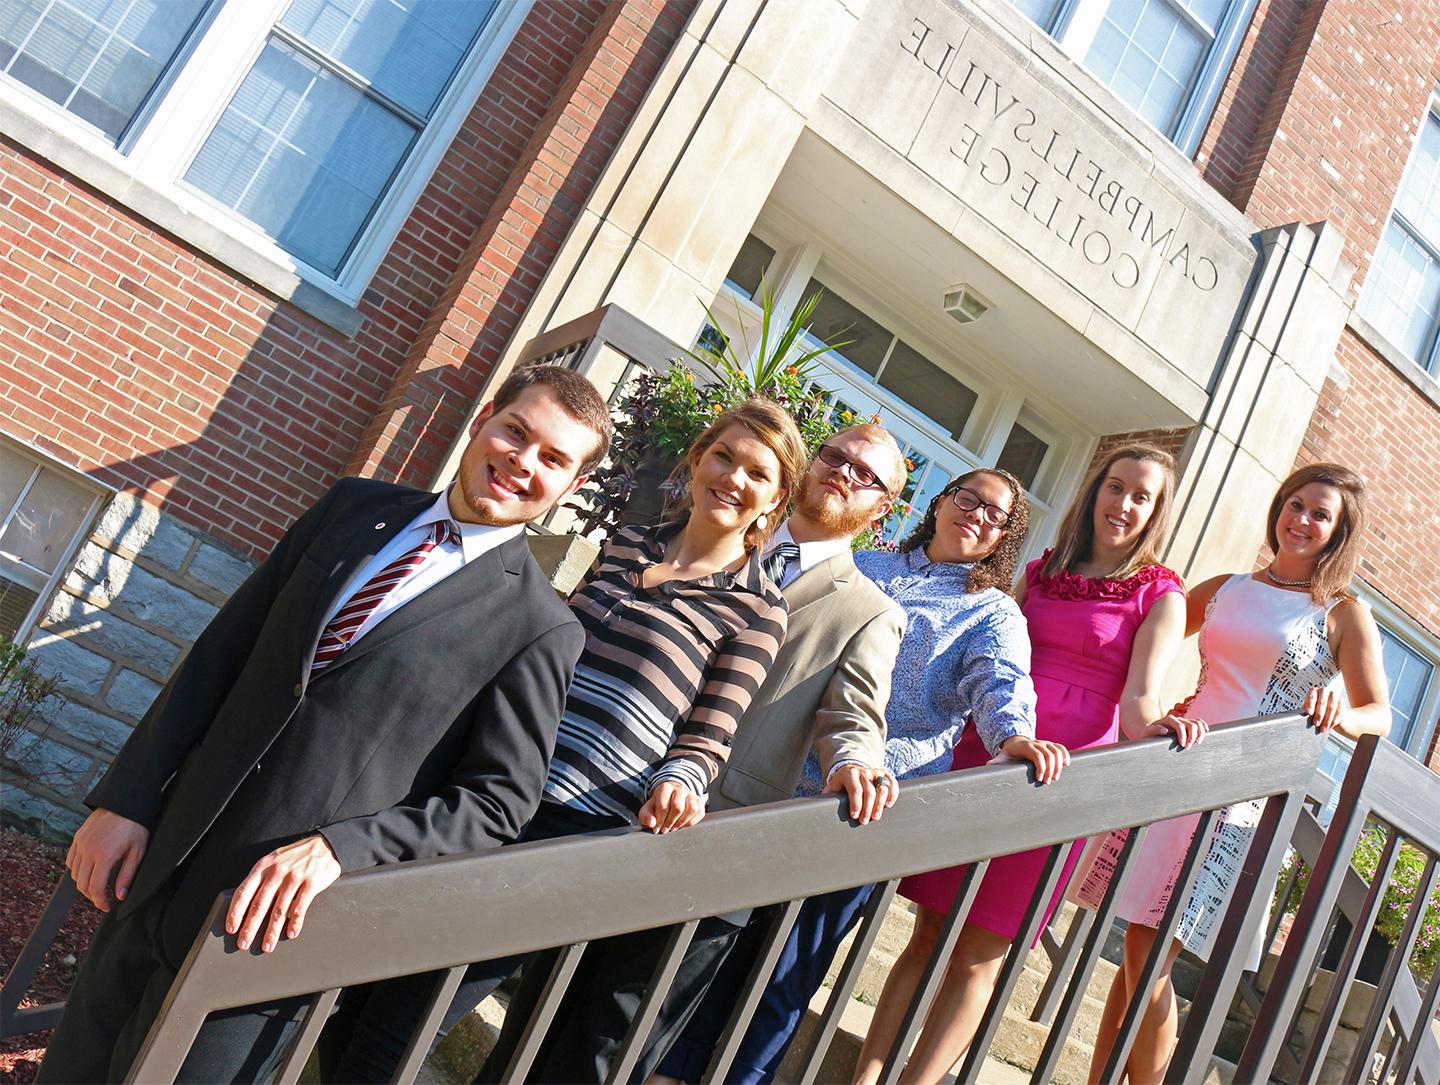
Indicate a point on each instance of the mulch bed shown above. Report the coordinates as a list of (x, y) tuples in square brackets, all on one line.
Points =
[(29, 871)]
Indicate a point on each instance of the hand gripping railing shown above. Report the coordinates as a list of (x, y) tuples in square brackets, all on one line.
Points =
[(438, 915)]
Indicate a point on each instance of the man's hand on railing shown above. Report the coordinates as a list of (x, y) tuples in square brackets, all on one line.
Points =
[(1048, 758), (671, 806), (106, 849), (278, 892), (1188, 732), (871, 791)]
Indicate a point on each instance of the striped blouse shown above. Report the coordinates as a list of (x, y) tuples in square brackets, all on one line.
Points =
[(666, 674)]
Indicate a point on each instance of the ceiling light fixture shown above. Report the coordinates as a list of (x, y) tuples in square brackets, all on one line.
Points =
[(965, 304)]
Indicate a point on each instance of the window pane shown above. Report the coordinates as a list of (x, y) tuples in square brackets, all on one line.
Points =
[(97, 58), (15, 602), (15, 472), (1408, 675), (407, 49), (835, 320), (303, 155), (928, 388), (1148, 54), (749, 268), (1402, 294), (1041, 12), (1419, 198), (46, 522), (1023, 454)]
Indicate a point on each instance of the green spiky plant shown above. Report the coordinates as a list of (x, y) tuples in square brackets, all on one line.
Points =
[(662, 413)]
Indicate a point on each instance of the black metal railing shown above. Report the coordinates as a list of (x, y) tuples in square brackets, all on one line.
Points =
[(565, 893)]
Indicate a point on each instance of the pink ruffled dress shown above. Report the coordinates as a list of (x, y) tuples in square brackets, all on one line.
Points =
[(1081, 633)]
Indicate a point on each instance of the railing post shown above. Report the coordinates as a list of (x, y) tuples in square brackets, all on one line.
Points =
[(13, 1020), (1287, 985), (1238, 931)]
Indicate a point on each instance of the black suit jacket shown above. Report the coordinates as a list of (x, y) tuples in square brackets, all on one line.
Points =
[(430, 737)]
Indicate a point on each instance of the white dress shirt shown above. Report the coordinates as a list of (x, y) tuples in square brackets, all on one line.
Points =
[(447, 558), (811, 553)]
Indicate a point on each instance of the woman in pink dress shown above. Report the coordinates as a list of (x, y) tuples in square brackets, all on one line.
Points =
[(1282, 638), (1105, 619)]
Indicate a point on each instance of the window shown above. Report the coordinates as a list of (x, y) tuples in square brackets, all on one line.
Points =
[(1166, 58), (1022, 455), (1402, 291), (98, 59), (1412, 672), (45, 511), (890, 362), (748, 271), (304, 129)]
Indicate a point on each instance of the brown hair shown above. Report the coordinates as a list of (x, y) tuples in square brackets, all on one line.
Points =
[(997, 569), (876, 434), (772, 424), (1076, 538), (580, 399), (1335, 567)]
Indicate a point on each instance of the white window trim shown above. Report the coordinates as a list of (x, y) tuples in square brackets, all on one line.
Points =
[(1430, 364), (1409, 632), (145, 173), (100, 497), (1075, 22)]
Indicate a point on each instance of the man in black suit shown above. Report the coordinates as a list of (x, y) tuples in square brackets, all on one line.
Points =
[(386, 686)]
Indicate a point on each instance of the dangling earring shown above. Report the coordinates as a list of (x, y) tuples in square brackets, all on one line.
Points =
[(762, 521)]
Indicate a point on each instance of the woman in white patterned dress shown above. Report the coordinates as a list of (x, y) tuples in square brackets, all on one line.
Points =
[(1270, 641)]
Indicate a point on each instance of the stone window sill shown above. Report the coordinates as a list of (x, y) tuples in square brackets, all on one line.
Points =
[(1425, 383)]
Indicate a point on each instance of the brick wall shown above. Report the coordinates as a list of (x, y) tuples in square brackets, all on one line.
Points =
[(128, 355), (1316, 122), (219, 412)]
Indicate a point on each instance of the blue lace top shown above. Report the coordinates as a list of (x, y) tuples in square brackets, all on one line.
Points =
[(965, 656)]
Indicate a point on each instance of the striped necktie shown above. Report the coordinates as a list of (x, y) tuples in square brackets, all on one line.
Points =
[(348, 619), (781, 556)]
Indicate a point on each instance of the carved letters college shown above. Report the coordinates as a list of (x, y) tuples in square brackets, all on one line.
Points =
[(1075, 197)]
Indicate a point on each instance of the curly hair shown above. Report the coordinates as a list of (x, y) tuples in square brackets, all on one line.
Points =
[(997, 568)]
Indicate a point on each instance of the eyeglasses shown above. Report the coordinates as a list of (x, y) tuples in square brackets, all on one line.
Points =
[(859, 474), (967, 500)]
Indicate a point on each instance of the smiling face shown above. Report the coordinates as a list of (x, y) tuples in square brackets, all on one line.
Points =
[(734, 480), (965, 535), (1307, 521), (1125, 502), (833, 500), (520, 461)]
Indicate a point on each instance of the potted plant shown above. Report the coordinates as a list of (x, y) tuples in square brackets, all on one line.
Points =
[(661, 413)]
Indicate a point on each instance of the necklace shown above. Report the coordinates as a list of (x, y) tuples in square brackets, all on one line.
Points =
[(1287, 583)]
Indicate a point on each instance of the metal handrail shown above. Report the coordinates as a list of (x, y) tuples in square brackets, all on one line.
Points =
[(1386, 785), (532, 897)]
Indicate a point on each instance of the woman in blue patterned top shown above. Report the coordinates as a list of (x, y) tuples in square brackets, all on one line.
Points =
[(965, 658)]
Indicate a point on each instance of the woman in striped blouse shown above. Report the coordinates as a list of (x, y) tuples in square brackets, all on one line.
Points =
[(681, 625)]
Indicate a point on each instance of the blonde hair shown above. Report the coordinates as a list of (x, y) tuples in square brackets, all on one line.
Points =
[(774, 427), (997, 568), (1076, 537), (1335, 567)]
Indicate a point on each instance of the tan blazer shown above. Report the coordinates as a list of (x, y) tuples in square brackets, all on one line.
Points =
[(828, 688)]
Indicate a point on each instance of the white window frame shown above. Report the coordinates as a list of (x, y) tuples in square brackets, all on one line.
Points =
[(1408, 632), (1429, 363), (1075, 23), (996, 409), (145, 169), (44, 585)]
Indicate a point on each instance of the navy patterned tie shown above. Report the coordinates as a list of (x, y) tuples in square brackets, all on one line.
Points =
[(774, 565)]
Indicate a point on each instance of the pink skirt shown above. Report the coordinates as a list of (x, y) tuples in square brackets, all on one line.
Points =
[(1071, 715)]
